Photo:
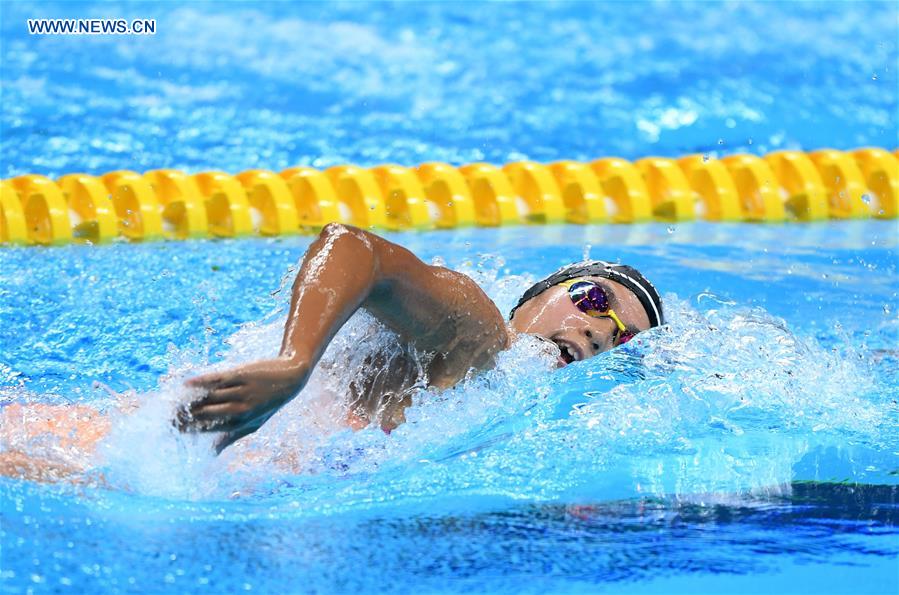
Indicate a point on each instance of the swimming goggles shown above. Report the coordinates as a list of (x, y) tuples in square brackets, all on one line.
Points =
[(592, 299)]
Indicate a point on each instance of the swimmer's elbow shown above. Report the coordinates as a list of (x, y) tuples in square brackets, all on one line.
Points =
[(335, 229), (354, 245), (359, 240), (371, 254), (384, 265)]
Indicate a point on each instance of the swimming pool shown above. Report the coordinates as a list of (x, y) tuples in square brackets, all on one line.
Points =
[(749, 446)]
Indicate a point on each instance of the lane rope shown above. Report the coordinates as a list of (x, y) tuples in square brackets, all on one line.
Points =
[(781, 187)]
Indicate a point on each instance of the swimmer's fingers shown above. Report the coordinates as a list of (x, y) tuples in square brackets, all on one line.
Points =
[(214, 380), (221, 417), (218, 396), (220, 412)]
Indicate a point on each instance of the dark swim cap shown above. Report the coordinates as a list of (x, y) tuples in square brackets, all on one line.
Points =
[(621, 273)]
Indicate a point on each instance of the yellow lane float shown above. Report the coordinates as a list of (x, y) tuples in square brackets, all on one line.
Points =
[(227, 208), (714, 187), (624, 184), (495, 201), (13, 229), (45, 210), (784, 186), (447, 190), (183, 208)]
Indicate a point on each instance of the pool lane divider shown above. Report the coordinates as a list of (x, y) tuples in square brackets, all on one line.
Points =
[(785, 186)]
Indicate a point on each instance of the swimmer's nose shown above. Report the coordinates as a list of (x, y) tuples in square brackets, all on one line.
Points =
[(593, 341)]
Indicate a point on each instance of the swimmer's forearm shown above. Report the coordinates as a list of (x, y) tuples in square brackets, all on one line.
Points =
[(337, 275)]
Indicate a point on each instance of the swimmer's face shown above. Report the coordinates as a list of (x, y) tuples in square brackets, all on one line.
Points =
[(552, 316)]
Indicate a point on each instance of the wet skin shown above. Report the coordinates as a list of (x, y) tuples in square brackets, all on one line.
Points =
[(438, 312), (552, 315)]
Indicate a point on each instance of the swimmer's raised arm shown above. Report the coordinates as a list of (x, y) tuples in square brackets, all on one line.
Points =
[(434, 308)]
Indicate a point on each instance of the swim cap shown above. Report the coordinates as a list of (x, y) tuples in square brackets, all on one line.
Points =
[(621, 273)]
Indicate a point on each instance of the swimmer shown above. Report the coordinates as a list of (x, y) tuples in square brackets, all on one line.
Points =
[(446, 323)]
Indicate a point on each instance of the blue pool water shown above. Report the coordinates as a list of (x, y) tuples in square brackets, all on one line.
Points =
[(749, 446)]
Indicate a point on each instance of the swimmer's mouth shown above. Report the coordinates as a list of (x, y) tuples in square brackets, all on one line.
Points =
[(568, 352)]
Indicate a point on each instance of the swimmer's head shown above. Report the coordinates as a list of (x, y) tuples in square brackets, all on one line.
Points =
[(588, 307)]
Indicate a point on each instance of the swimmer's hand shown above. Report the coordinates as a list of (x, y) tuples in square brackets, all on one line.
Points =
[(240, 400)]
